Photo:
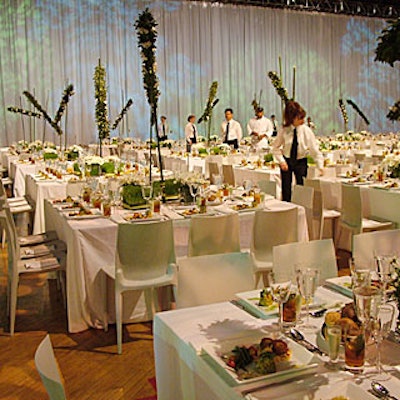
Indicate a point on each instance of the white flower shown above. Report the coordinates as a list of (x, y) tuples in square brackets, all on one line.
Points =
[(48, 150), (91, 160)]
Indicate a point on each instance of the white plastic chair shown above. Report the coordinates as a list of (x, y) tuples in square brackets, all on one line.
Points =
[(213, 170), (48, 262), (351, 219), (145, 260), (227, 172), (214, 234), (367, 245), (213, 278), (267, 187), (318, 254), (47, 366), (271, 228), (304, 196), (320, 212)]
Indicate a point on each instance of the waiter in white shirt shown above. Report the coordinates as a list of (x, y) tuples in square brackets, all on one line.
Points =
[(231, 131), (260, 128), (295, 141), (163, 128), (190, 132)]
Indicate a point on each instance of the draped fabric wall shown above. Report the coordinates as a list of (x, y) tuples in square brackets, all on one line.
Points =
[(47, 43)]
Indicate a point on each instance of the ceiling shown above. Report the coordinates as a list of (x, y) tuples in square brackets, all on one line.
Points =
[(387, 9)]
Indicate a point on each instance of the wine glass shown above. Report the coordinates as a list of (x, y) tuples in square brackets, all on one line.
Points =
[(280, 293), (194, 190), (380, 330), (307, 282), (384, 268), (147, 192)]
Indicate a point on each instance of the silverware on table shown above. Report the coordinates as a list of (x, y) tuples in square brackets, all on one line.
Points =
[(381, 391), (298, 337)]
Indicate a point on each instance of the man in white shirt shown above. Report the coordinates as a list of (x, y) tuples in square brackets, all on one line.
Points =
[(274, 125), (163, 128), (190, 132), (260, 128), (231, 131)]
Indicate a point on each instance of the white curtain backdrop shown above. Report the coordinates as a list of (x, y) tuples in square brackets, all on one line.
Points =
[(47, 43)]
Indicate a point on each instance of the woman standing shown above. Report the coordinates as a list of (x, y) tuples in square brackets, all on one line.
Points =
[(295, 141)]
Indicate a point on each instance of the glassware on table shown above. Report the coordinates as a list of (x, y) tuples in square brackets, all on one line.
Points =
[(194, 190), (359, 276), (280, 293), (307, 282), (86, 194), (291, 309), (334, 337), (367, 300), (354, 349), (106, 206), (147, 194), (384, 268), (380, 330)]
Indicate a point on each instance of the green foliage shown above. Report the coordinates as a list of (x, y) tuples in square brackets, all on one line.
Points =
[(310, 160), (278, 85), (268, 158), (388, 49), (171, 188), (394, 112), (358, 111), (100, 94), (50, 156), (24, 112), (212, 93), (131, 195), (122, 114), (108, 167), (68, 92)]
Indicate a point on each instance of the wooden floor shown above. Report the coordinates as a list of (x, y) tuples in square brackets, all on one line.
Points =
[(88, 360)]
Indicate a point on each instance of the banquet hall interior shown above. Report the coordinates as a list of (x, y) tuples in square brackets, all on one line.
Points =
[(144, 232)]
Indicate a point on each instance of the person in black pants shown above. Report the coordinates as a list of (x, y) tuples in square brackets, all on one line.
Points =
[(294, 142)]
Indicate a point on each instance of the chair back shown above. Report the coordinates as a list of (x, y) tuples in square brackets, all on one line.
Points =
[(144, 244), (272, 228), (203, 280), (318, 254), (304, 196), (47, 366), (227, 172), (351, 215), (214, 234), (267, 187), (198, 169), (317, 209), (370, 244), (213, 170)]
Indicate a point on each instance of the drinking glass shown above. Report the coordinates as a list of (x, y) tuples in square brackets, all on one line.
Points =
[(147, 192), (307, 281), (380, 331), (384, 268), (280, 293), (334, 337), (354, 349), (194, 190), (291, 309), (367, 300)]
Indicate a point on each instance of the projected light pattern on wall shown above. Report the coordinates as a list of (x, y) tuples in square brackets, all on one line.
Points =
[(45, 43)]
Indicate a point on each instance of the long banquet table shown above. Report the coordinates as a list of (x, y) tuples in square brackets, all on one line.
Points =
[(91, 246), (184, 372)]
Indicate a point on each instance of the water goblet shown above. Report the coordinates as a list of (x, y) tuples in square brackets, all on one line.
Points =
[(147, 192), (307, 282), (367, 300), (194, 190), (384, 268), (380, 330)]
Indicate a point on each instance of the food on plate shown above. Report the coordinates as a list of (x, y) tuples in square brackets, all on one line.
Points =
[(332, 317), (340, 398), (348, 311), (190, 211), (82, 211), (136, 216), (212, 197), (258, 359), (266, 299), (68, 199), (346, 318), (241, 206)]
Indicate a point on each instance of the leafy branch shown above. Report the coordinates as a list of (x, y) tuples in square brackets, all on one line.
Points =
[(388, 49), (344, 113), (100, 94), (68, 92), (278, 85), (24, 112), (360, 113), (122, 114), (394, 112), (211, 103)]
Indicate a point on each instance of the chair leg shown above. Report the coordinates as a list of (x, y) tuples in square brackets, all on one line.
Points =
[(149, 300), (13, 304), (3, 239), (257, 279), (118, 319)]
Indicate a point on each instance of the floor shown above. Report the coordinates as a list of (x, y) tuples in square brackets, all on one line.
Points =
[(88, 360)]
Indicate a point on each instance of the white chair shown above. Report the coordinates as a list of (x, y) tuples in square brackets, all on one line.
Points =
[(214, 234), (367, 245), (213, 169), (47, 366), (17, 266), (213, 278), (227, 172), (267, 187), (318, 254), (304, 196), (351, 219), (145, 260), (270, 228), (320, 212)]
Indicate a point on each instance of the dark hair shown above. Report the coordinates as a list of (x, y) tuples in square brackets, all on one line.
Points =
[(190, 117), (273, 116), (259, 109), (293, 110), (163, 117), (228, 110)]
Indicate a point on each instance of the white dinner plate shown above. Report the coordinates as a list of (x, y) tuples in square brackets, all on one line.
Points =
[(341, 284), (299, 363)]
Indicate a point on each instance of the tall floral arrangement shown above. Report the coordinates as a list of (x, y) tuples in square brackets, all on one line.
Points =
[(256, 104), (122, 114), (344, 114), (146, 30), (210, 104), (101, 111), (358, 111), (394, 112), (278, 85)]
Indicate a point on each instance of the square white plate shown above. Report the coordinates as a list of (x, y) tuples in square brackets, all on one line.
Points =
[(300, 360)]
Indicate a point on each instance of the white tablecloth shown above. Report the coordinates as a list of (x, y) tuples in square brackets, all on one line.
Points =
[(91, 246), (19, 171), (182, 373)]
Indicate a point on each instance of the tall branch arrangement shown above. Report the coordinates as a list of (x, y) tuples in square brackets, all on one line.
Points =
[(256, 104), (19, 110), (344, 113), (208, 111), (278, 85), (394, 112), (358, 111), (100, 94), (146, 31), (388, 49), (68, 92), (122, 114)]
